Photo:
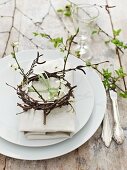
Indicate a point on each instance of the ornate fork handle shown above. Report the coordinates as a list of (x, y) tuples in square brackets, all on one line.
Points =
[(118, 131)]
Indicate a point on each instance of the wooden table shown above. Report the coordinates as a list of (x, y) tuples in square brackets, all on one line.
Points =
[(18, 19)]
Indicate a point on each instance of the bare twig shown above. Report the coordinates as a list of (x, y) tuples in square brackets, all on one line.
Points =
[(38, 93), (116, 48), (4, 32), (60, 19), (68, 51), (30, 39), (10, 28), (5, 2), (31, 19), (2, 16), (35, 61), (43, 18), (20, 33)]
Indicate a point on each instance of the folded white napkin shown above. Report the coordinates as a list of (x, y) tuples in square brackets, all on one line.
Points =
[(60, 123)]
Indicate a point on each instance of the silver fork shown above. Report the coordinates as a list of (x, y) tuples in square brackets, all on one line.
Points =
[(118, 133)]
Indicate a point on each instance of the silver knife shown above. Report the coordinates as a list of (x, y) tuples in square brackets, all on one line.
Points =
[(107, 130), (118, 133)]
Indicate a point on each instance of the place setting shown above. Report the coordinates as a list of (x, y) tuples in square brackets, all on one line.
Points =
[(54, 100), (18, 129)]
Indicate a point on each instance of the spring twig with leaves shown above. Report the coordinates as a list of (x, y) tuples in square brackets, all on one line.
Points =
[(70, 39), (109, 81), (120, 46)]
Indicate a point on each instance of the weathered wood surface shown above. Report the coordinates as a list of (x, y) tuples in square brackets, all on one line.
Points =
[(18, 19)]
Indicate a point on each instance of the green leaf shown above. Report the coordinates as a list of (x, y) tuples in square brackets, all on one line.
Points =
[(62, 50), (67, 13), (107, 42), (123, 94), (106, 84), (77, 31), (30, 89), (60, 10), (44, 35), (125, 46), (119, 43), (120, 72), (13, 54), (115, 41), (94, 32), (88, 63), (116, 32), (57, 41), (65, 57), (43, 80), (66, 10), (77, 53), (35, 34), (106, 73), (112, 86)]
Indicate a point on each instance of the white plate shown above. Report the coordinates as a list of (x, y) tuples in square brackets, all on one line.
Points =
[(9, 120), (32, 153)]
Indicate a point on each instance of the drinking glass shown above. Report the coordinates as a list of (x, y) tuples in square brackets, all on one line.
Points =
[(84, 18)]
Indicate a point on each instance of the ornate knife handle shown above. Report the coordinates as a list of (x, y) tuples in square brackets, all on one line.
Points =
[(118, 131), (106, 130)]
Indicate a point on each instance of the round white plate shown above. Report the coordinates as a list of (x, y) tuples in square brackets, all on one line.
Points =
[(32, 153), (9, 121)]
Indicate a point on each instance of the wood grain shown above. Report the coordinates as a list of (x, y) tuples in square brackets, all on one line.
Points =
[(2, 162), (18, 20)]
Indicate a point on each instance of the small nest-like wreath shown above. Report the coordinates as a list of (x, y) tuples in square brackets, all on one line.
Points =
[(45, 105)]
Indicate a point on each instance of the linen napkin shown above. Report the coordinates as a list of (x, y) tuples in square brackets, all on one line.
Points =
[(60, 123)]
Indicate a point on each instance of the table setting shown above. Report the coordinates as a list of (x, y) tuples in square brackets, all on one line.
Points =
[(62, 85)]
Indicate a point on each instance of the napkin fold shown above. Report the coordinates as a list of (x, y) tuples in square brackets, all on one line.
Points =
[(60, 123)]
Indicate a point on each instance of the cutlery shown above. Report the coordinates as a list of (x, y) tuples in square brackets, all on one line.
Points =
[(107, 130), (118, 133)]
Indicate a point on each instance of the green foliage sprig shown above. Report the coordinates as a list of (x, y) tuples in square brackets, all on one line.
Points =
[(109, 79), (57, 42), (119, 45), (114, 40)]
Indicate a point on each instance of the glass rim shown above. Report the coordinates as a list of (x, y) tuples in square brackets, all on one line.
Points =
[(86, 5)]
